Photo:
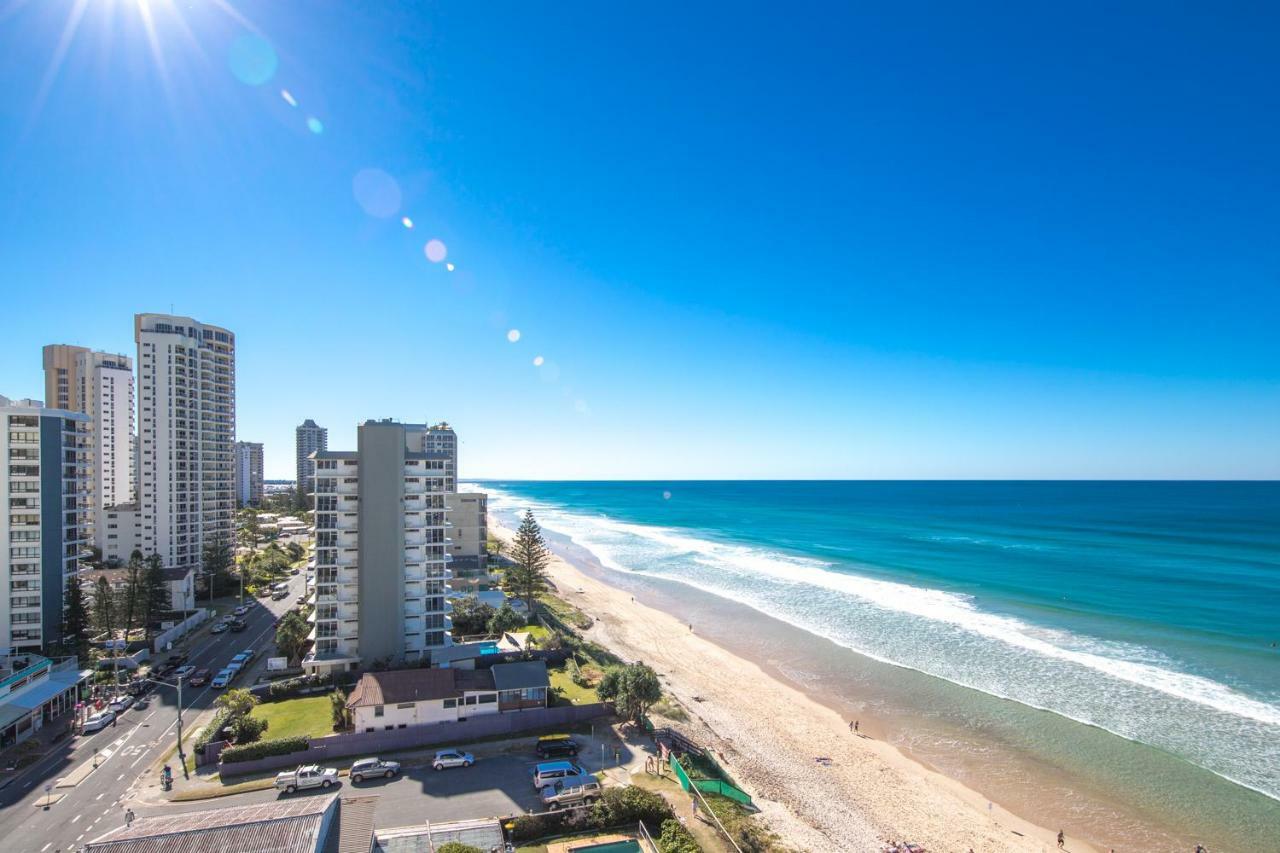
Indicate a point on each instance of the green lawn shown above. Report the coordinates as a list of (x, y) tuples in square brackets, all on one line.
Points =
[(572, 692), (304, 716)]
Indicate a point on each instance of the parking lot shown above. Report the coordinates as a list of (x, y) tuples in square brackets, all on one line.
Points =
[(497, 785)]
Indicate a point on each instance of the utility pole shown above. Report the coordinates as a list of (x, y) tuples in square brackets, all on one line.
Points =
[(182, 758)]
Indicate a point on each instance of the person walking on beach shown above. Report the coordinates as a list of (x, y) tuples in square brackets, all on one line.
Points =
[(1062, 839), (128, 817), (855, 727)]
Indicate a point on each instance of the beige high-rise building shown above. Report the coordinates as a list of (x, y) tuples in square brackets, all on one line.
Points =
[(186, 436), (100, 385)]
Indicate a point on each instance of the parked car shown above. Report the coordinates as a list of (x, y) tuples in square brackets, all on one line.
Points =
[(237, 625), (368, 768), (184, 671), (452, 758), (99, 721), (218, 628), (293, 571), (306, 776), (223, 678), (550, 772), (242, 659), (302, 599), (279, 594), (550, 746), (199, 678), (121, 703), (249, 654), (241, 610), (563, 795)]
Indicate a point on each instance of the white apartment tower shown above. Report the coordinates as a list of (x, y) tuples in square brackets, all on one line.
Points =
[(100, 385), (44, 487), (308, 438), (248, 473), (381, 561), (187, 423)]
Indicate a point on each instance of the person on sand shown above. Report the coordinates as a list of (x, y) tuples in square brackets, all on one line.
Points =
[(855, 727), (1062, 839)]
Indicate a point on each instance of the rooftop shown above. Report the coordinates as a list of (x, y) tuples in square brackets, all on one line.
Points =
[(521, 675), (290, 826), (417, 685)]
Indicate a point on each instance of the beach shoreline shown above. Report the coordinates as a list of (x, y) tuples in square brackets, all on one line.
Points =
[(870, 791)]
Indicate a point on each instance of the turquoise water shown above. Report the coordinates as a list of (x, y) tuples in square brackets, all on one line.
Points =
[(1148, 610)]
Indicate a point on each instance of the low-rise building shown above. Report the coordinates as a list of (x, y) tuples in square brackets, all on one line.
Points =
[(34, 691), (415, 697)]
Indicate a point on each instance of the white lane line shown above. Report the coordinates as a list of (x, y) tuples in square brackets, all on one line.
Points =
[(78, 837), (104, 793), (121, 776), (76, 818), (46, 847)]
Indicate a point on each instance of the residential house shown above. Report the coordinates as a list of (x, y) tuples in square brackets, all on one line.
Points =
[(523, 684), (414, 697)]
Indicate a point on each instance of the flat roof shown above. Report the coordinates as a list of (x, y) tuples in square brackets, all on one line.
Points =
[(286, 826)]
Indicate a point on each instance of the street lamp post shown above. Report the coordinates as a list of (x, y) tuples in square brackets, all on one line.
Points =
[(182, 758)]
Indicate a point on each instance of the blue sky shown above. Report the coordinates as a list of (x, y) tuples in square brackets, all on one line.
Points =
[(801, 241)]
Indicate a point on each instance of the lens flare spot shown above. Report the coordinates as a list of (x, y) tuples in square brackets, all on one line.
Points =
[(537, 361), (376, 192), (252, 60), (406, 222), (288, 98), (435, 251), (666, 496), (314, 125), (513, 335), (449, 267)]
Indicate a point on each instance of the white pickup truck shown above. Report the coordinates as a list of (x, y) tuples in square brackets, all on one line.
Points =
[(306, 776)]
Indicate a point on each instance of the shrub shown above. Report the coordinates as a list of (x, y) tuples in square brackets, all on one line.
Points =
[(264, 748), (676, 839), (632, 689), (505, 619), (247, 729), (457, 847), (629, 805)]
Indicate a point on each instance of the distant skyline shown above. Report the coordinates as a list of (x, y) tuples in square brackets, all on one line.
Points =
[(886, 243)]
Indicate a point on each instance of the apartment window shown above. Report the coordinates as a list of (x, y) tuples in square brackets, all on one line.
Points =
[(488, 698), (377, 710), (451, 703)]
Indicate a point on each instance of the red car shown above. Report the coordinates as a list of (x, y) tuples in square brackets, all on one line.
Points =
[(199, 678)]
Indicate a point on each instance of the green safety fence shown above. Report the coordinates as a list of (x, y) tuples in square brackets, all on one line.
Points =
[(710, 786)]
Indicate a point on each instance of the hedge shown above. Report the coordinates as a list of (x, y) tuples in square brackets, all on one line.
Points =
[(222, 718), (617, 807), (675, 838), (263, 748)]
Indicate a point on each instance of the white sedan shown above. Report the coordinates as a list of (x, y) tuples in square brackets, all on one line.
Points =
[(99, 721), (452, 758)]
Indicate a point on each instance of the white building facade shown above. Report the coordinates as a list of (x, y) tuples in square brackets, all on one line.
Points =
[(44, 487), (187, 416), (248, 473)]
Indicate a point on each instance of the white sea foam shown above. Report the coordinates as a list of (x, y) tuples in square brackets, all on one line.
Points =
[(1131, 691)]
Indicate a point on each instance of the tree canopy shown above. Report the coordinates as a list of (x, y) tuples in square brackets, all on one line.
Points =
[(633, 689)]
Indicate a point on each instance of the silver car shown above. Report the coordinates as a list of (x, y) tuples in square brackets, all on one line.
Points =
[(370, 768), (452, 758)]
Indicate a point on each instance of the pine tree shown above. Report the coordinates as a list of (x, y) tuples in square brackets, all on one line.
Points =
[(156, 598), (75, 620), (217, 559), (132, 603), (528, 576)]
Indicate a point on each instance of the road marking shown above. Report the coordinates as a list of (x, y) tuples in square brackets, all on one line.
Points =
[(121, 776), (104, 793), (46, 847), (76, 818), (78, 837)]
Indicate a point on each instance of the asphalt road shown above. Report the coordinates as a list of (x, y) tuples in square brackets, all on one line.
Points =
[(142, 735)]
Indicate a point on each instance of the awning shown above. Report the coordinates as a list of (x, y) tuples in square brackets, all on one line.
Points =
[(41, 693)]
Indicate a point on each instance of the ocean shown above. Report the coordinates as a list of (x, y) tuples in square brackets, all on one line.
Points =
[(1117, 641)]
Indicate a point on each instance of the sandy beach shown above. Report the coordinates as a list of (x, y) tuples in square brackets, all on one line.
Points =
[(769, 734)]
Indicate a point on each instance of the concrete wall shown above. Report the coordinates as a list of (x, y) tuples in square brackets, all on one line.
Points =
[(331, 750), (178, 631), (381, 579)]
